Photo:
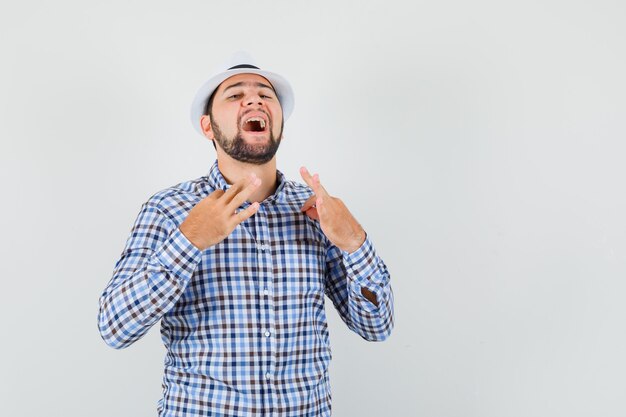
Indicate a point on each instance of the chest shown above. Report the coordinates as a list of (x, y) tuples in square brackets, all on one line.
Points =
[(280, 255)]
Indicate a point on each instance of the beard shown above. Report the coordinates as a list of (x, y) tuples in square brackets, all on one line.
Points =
[(240, 150)]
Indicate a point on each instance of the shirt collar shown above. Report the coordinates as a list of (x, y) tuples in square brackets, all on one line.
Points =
[(216, 181)]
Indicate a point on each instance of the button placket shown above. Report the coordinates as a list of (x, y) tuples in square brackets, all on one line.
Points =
[(266, 302)]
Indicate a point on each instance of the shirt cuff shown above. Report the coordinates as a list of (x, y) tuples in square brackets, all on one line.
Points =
[(179, 255)]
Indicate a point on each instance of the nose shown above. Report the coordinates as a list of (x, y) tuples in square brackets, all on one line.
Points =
[(252, 99)]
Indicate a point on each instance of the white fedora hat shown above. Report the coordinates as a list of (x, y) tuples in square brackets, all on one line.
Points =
[(240, 63)]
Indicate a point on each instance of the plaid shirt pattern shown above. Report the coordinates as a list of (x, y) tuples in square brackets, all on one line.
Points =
[(243, 322)]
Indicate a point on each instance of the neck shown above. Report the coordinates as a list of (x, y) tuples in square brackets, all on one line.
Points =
[(233, 171)]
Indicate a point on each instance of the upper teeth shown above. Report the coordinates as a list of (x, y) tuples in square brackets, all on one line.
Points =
[(257, 119)]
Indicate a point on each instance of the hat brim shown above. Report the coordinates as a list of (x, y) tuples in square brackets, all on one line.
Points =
[(281, 86)]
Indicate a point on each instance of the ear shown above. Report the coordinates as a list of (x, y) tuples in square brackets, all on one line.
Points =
[(205, 125)]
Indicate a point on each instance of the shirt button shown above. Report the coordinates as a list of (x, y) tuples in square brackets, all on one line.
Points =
[(267, 376), (267, 333), (266, 292)]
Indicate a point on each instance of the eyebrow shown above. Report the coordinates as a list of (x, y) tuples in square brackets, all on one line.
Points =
[(247, 84)]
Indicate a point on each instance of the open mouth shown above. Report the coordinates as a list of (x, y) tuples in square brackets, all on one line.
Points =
[(254, 124)]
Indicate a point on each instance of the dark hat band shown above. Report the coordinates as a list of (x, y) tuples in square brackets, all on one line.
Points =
[(243, 66)]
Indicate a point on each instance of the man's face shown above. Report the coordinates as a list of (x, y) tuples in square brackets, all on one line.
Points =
[(246, 119)]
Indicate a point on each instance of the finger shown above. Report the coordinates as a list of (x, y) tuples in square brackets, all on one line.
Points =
[(310, 180), (312, 213), (244, 194), (320, 206), (217, 193), (319, 189), (309, 203), (306, 176), (237, 187), (245, 214)]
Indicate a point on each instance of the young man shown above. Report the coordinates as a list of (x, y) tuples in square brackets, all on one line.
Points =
[(236, 264)]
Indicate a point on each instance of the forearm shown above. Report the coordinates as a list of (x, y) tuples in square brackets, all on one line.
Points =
[(361, 291), (371, 315), (144, 287)]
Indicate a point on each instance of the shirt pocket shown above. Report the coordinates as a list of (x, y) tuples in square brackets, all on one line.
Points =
[(300, 266)]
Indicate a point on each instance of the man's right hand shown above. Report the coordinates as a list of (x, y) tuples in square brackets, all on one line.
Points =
[(214, 217)]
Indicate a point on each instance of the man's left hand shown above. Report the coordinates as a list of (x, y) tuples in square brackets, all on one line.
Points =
[(336, 221)]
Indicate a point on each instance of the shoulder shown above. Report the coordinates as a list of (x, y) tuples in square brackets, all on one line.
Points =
[(297, 192), (176, 200)]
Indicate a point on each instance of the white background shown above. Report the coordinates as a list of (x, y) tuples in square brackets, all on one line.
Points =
[(481, 145)]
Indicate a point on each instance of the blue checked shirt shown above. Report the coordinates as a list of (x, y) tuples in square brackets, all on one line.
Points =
[(243, 322)]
